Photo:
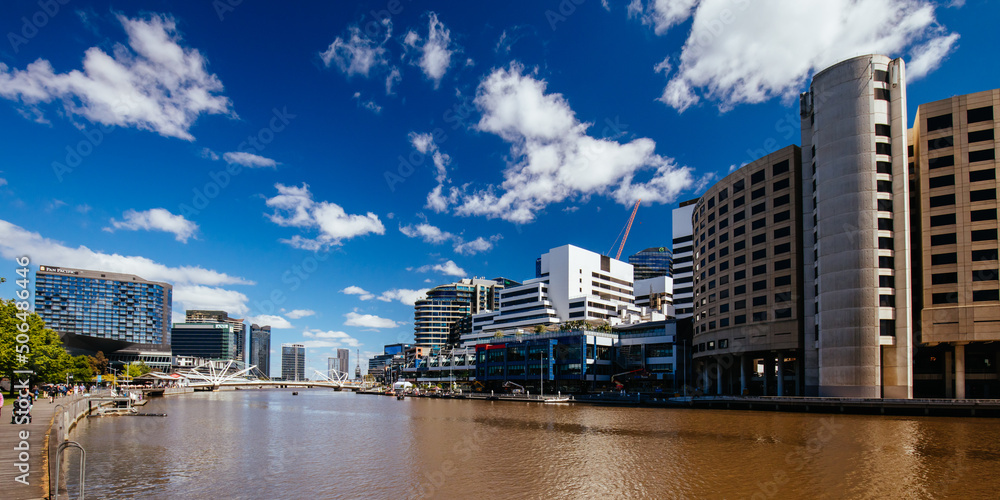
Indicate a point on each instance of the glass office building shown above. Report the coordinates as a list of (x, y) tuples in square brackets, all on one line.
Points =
[(260, 348), (293, 362), (652, 262)]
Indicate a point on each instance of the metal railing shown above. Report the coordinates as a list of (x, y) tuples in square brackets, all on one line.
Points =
[(83, 467)]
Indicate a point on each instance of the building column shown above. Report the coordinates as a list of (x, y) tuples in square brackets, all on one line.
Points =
[(705, 383), (743, 374), (718, 377), (781, 374), (949, 387), (959, 371)]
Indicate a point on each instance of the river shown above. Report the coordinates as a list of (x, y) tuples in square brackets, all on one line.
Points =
[(325, 444)]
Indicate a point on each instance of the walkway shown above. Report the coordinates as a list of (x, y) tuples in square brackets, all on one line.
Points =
[(36, 444)]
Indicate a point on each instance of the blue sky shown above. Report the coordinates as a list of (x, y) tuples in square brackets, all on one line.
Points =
[(315, 168)]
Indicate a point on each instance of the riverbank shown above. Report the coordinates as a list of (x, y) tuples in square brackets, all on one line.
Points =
[(856, 406)]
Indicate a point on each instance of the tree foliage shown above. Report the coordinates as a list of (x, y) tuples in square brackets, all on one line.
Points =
[(46, 355)]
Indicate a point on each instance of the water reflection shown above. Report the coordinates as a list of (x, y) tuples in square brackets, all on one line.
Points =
[(269, 444)]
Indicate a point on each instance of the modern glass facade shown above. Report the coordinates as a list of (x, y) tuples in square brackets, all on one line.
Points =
[(651, 263), (446, 304), (99, 310), (239, 339), (293, 362), (260, 348), (567, 362), (204, 340)]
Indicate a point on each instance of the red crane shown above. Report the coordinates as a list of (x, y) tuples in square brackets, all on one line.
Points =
[(627, 228)]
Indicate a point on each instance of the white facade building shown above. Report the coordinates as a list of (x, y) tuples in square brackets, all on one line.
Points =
[(683, 271)]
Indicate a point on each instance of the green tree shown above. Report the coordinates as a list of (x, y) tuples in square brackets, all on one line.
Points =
[(81, 370), (99, 363), (138, 369), (45, 354)]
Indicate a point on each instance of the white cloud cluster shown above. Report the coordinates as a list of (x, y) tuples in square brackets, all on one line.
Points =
[(355, 53), (294, 207), (433, 52), (368, 104), (194, 287), (553, 157), (360, 292), (328, 338), (425, 144), (155, 219), (153, 84), (435, 235), (661, 14), (449, 268), (300, 313), (737, 54), (368, 321), (275, 322), (248, 160), (403, 295)]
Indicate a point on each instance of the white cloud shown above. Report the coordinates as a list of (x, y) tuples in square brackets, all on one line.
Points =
[(360, 292), (477, 245), (300, 313), (194, 287), (249, 160), (294, 207), (156, 219), (369, 104), (403, 295), (209, 154), (661, 14), (392, 79), (153, 84), (553, 157), (735, 54), (275, 322), (425, 144), (368, 321), (328, 339), (449, 268), (3, 182), (434, 51), (83, 209), (355, 53)]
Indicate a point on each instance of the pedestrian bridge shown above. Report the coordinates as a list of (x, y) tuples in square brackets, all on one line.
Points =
[(215, 375)]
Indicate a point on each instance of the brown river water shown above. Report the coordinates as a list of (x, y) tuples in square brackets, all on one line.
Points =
[(324, 444)]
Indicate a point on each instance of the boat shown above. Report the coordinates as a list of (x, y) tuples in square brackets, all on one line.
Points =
[(400, 396), (296, 393), (556, 400)]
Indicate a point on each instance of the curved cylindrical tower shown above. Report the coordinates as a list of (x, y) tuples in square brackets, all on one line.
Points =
[(856, 227)]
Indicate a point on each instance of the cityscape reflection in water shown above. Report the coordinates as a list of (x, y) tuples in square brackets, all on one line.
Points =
[(325, 444)]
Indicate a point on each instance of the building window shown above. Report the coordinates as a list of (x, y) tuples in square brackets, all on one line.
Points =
[(981, 135), (740, 304), (758, 286), (983, 195), (883, 148), (984, 275), (942, 200), (782, 281), (779, 185), (738, 186), (739, 261), (984, 235), (758, 208), (739, 231), (760, 238), (782, 297), (738, 216), (760, 316), (758, 224), (981, 215), (977, 115), (981, 255), (740, 275), (942, 259), (757, 177), (887, 327), (759, 254), (782, 264), (941, 181), (944, 278), (938, 122), (941, 162), (941, 220), (739, 290), (882, 94), (984, 155), (886, 262), (783, 313), (886, 224), (884, 186), (944, 298), (739, 245), (884, 167), (723, 194), (883, 130), (758, 193), (740, 319), (940, 143), (782, 232), (943, 239), (759, 270), (887, 301), (985, 295), (886, 281), (782, 248), (781, 200), (982, 175)]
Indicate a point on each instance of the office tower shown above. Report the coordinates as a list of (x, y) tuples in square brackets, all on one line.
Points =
[(574, 284), (293, 362), (338, 364), (260, 348), (682, 270), (445, 304), (123, 315), (239, 328), (955, 169), (856, 230), (211, 341), (652, 262), (748, 307)]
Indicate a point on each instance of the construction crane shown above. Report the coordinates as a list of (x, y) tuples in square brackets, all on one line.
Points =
[(628, 227)]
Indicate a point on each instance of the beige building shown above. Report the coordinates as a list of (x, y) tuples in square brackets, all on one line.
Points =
[(747, 279), (955, 167)]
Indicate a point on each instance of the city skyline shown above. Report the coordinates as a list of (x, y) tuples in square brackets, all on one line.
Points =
[(315, 226)]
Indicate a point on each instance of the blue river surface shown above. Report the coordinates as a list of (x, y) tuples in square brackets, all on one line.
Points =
[(324, 444)]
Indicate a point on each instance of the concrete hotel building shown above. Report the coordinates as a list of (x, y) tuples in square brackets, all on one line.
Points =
[(260, 348), (123, 315), (293, 362), (747, 281), (955, 167), (682, 271)]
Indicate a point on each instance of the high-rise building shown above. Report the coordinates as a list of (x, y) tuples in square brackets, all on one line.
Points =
[(681, 267), (445, 304), (213, 341), (239, 339), (856, 230), (293, 362), (338, 364), (748, 279), (574, 284), (955, 169), (260, 348), (652, 262), (122, 315)]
